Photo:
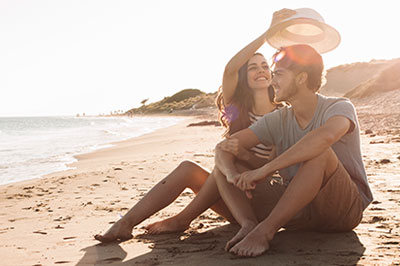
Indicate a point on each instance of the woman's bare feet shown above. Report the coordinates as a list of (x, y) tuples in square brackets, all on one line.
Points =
[(120, 231), (169, 225), (242, 233)]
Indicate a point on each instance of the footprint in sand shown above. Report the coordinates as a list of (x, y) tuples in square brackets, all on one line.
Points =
[(376, 219), (384, 161), (69, 237), (377, 209), (61, 219), (62, 262), (40, 232), (3, 230), (376, 142), (391, 243)]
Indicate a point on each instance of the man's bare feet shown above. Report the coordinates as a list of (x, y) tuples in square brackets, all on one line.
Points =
[(244, 230), (254, 244), (169, 225), (120, 231)]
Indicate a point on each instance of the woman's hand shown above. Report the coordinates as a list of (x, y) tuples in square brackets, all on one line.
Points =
[(282, 14), (232, 146)]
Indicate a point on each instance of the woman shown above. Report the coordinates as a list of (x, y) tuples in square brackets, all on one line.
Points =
[(245, 95)]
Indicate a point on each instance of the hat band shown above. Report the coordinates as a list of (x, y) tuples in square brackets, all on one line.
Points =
[(307, 32)]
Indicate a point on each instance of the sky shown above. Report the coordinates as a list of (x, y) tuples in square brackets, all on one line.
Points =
[(94, 56)]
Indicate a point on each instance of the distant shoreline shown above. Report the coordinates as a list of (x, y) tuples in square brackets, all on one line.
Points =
[(65, 165)]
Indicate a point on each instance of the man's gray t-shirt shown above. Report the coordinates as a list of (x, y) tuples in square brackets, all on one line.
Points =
[(281, 129)]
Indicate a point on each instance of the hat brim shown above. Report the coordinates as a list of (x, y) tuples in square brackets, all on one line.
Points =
[(322, 37)]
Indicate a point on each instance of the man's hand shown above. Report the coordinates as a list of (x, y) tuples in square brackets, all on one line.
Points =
[(247, 180)]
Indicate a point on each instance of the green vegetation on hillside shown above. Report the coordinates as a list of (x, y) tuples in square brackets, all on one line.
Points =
[(183, 100)]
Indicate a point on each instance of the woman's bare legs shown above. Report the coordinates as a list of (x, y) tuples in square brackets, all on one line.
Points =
[(207, 197), (187, 174)]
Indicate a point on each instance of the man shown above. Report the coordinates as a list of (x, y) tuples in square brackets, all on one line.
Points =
[(319, 158)]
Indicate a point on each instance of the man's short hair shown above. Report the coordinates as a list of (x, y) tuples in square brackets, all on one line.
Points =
[(302, 58)]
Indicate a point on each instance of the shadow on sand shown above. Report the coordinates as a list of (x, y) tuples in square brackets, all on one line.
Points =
[(287, 248)]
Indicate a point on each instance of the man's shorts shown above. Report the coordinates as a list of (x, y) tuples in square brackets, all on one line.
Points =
[(338, 206)]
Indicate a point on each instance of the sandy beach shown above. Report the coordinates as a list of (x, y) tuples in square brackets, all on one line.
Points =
[(52, 220), (101, 100)]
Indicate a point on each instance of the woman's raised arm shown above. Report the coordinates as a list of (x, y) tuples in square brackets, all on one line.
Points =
[(231, 72)]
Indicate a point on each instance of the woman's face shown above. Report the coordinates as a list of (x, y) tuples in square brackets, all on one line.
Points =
[(258, 73)]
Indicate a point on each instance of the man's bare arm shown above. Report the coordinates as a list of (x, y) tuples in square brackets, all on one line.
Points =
[(314, 143), (310, 146)]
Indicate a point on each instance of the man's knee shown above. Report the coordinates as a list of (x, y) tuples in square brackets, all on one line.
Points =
[(324, 157), (327, 160)]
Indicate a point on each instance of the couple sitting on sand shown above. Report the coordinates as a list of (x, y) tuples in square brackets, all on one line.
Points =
[(313, 142)]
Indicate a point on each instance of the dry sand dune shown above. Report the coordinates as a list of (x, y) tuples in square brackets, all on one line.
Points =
[(388, 79), (344, 78)]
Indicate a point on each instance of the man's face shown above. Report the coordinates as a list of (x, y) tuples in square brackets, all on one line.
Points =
[(284, 84)]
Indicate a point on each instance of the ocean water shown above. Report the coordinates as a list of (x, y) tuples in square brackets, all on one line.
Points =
[(31, 147)]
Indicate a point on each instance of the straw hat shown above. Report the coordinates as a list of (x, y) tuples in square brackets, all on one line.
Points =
[(302, 26)]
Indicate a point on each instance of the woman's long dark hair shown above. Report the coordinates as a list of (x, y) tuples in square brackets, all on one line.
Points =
[(235, 116)]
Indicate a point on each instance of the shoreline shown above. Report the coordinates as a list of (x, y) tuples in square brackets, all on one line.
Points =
[(100, 154), (78, 164), (71, 166)]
